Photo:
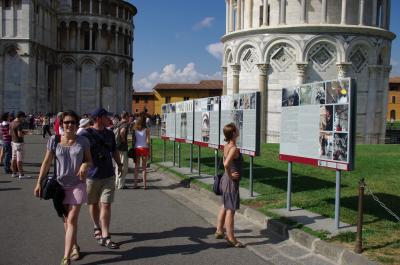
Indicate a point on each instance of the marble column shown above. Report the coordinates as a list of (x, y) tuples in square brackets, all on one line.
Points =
[(116, 42), (344, 12), (265, 13), (98, 86), (100, 11), (301, 73), (224, 80), (388, 5), (78, 88), (90, 37), (282, 9), (78, 38), (324, 11), (236, 75), (59, 103), (80, 6), (263, 87), (384, 14), (343, 69), (1, 25), (249, 14), (362, 6), (239, 15), (231, 18), (303, 15), (373, 84), (374, 12), (385, 92), (117, 10), (91, 7)]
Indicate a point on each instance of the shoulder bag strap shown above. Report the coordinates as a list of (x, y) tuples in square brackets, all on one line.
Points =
[(57, 139)]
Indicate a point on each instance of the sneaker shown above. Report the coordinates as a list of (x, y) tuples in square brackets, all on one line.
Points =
[(14, 175), (24, 177)]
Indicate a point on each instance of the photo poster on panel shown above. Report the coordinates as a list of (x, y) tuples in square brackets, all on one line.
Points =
[(184, 121), (317, 124), (244, 111), (168, 121), (206, 122)]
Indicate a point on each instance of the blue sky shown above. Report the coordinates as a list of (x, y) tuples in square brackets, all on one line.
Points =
[(180, 42)]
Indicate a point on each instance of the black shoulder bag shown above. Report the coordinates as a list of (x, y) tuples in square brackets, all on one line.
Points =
[(50, 185), (131, 151), (217, 180)]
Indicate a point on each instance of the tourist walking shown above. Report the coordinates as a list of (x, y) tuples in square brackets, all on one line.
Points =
[(73, 161), (121, 138), (233, 164), (6, 142), (84, 123), (141, 143), (17, 145), (101, 182), (46, 126)]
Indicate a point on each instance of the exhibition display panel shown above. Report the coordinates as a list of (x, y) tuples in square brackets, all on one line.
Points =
[(168, 126), (207, 122), (184, 120), (317, 124)]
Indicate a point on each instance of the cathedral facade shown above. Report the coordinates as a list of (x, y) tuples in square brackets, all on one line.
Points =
[(66, 54), (270, 44)]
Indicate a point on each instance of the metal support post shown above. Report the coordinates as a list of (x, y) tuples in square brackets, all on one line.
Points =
[(173, 159), (179, 155), (289, 188), (337, 199), (216, 162), (198, 159), (251, 176), (191, 158), (359, 249), (163, 159)]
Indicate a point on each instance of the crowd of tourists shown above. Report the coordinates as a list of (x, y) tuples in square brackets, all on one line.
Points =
[(90, 155)]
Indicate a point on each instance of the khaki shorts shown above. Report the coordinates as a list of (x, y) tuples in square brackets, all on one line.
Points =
[(17, 151), (100, 190)]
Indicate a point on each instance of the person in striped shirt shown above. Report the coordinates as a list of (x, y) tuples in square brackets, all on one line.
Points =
[(6, 139)]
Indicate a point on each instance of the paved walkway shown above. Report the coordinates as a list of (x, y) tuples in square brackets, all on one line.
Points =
[(167, 224)]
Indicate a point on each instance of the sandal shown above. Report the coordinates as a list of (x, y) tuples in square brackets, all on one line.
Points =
[(235, 244), (75, 254), (219, 235), (65, 261), (97, 234), (106, 241)]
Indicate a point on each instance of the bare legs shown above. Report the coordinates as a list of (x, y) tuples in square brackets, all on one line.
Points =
[(143, 159), (226, 217), (16, 166), (101, 216), (71, 228)]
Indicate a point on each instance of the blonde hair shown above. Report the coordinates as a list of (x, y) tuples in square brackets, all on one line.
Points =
[(139, 123)]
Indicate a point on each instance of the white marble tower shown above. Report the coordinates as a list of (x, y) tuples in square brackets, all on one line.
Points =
[(274, 43)]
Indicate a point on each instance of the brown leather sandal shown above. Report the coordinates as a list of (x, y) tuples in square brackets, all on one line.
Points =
[(235, 244)]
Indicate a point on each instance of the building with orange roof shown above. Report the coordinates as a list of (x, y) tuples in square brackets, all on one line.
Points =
[(174, 92), (393, 110), (143, 102)]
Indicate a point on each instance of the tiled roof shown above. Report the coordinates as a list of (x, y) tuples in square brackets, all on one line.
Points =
[(394, 80), (143, 93), (204, 84)]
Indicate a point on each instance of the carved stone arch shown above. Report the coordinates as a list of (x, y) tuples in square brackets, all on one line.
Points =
[(87, 59), (122, 64), (228, 56), (67, 59), (248, 55), (110, 61), (360, 53), (335, 43), (269, 46), (280, 55)]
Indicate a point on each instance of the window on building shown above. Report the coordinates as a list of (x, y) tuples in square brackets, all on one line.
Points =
[(393, 88), (167, 99), (7, 4), (185, 98), (86, 40), (137, 100), (137, 110), (393, 99), (393, 114), (145, 99)]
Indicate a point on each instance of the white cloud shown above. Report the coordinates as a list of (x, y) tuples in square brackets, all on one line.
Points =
[(216, 49), (205, 23), (170, 74)]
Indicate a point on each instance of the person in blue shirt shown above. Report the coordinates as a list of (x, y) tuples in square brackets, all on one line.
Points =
[(101, 178)]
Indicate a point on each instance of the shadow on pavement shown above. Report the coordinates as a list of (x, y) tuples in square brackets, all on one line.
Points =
[(8, 189)]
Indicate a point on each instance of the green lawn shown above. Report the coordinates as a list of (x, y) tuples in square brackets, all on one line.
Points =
[(314, 190)]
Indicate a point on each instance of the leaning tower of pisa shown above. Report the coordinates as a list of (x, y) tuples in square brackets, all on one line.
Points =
[(270, 44)]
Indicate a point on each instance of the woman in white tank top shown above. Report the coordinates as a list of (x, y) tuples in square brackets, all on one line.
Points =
[(141, 141)]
